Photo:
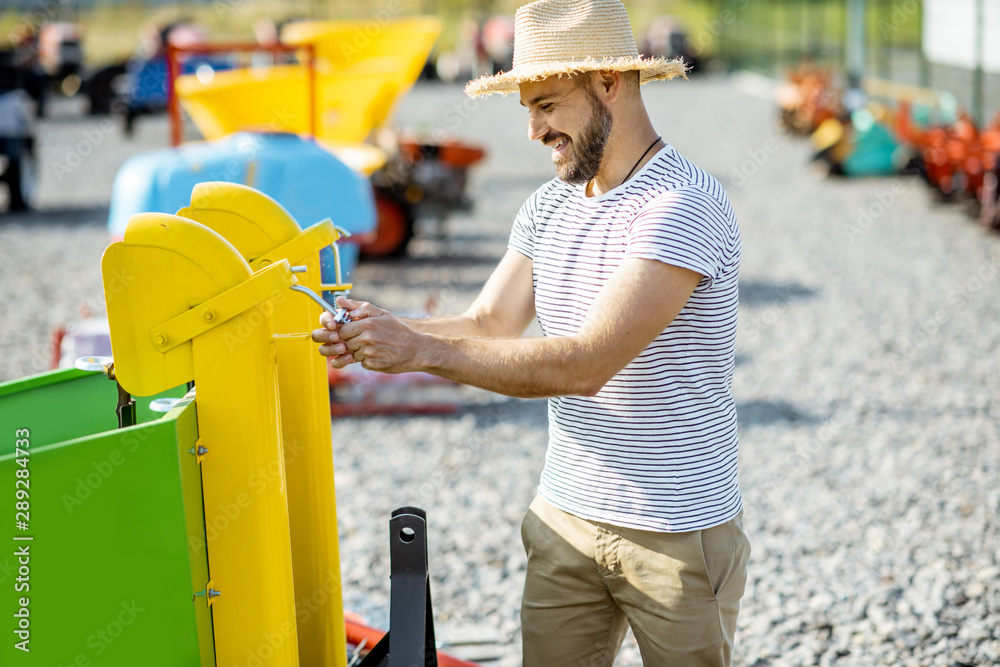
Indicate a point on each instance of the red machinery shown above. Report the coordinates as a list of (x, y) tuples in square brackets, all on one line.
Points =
[(420, 179), (808, 98), (956, 158)]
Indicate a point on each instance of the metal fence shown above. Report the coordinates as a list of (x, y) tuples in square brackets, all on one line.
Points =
[(886, 39)]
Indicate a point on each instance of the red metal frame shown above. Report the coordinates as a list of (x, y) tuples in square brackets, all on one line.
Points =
[(175, 53)]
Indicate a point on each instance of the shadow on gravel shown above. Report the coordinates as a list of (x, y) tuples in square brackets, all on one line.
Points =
[(763, 413), (508, 411), (767, 293), (96, 216), (432, 259), (535, 412)]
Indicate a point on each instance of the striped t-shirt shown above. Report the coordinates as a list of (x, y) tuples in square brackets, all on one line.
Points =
[(656, 448)]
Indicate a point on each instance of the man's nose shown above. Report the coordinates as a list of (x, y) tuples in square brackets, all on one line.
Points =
[(537, 128)]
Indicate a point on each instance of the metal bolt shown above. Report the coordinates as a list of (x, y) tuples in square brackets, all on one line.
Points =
[(208, 315), (212, 593)]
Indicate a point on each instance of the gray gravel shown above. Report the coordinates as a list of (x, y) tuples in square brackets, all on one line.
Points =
[(50, 259), (867, 383)]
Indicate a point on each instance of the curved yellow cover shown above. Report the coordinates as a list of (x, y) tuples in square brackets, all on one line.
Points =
[(362, 69), (179, 261)]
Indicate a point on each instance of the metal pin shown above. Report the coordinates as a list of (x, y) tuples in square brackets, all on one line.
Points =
[(340, 316)]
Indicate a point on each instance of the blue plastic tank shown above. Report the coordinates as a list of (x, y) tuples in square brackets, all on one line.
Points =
[(304, 178)]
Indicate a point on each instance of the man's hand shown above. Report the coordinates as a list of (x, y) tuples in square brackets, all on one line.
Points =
[(375, 338), (331, 344)]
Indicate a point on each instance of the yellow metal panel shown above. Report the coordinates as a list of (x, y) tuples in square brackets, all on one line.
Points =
[(163, 265), (246, 510), (262, 286), (302, 246), (305, 418), (305, 415)]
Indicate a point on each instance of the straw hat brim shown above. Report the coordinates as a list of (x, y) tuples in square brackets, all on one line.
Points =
[(650, 69)]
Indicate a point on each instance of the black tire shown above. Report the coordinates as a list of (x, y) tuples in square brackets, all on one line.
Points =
[(102, 89), (22, 179), (394, 229), (128, 121)]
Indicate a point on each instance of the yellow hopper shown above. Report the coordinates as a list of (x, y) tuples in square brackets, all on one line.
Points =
[(361, 69)]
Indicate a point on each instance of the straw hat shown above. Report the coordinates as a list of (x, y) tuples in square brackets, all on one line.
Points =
[(569, 36)]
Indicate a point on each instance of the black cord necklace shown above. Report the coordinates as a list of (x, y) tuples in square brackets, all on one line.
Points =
[(656, 141)]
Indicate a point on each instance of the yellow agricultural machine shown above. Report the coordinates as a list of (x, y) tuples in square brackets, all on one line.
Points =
[(176, 503), (346, 81)]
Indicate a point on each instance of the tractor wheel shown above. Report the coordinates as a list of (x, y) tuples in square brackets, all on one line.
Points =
[(394, 227)]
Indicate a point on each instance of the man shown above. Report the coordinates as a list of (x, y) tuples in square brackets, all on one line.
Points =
[(629, 259)]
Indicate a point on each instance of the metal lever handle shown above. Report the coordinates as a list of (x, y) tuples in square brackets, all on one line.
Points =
[(340, 316), (343, 233)]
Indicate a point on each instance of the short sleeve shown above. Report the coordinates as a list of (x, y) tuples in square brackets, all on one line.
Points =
[(522, 234), (684, 227)]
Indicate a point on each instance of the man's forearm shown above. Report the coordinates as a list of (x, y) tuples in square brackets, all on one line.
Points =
[(449, 325), (524, 368)]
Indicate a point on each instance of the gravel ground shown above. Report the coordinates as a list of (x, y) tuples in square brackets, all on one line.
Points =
[(867, 382)]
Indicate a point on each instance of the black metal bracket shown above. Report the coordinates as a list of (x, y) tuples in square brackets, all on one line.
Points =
[(126, 404), (125, 408), (410, 640)]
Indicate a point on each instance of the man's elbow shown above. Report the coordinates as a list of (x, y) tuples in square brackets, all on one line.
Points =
[(589, 390), (587, 370), (591, 385), (482, 323)]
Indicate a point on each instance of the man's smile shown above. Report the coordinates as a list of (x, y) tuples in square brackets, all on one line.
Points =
[(559, 148)]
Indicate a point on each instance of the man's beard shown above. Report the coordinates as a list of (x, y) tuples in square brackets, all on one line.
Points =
[(587, 152)]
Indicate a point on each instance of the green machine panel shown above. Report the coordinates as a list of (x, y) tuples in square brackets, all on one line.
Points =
[(116, 556)]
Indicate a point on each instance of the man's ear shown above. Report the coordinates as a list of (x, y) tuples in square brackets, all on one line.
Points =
[(610, 83)]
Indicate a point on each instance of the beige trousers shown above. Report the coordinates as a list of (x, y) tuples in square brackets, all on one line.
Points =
[(587, 582)]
